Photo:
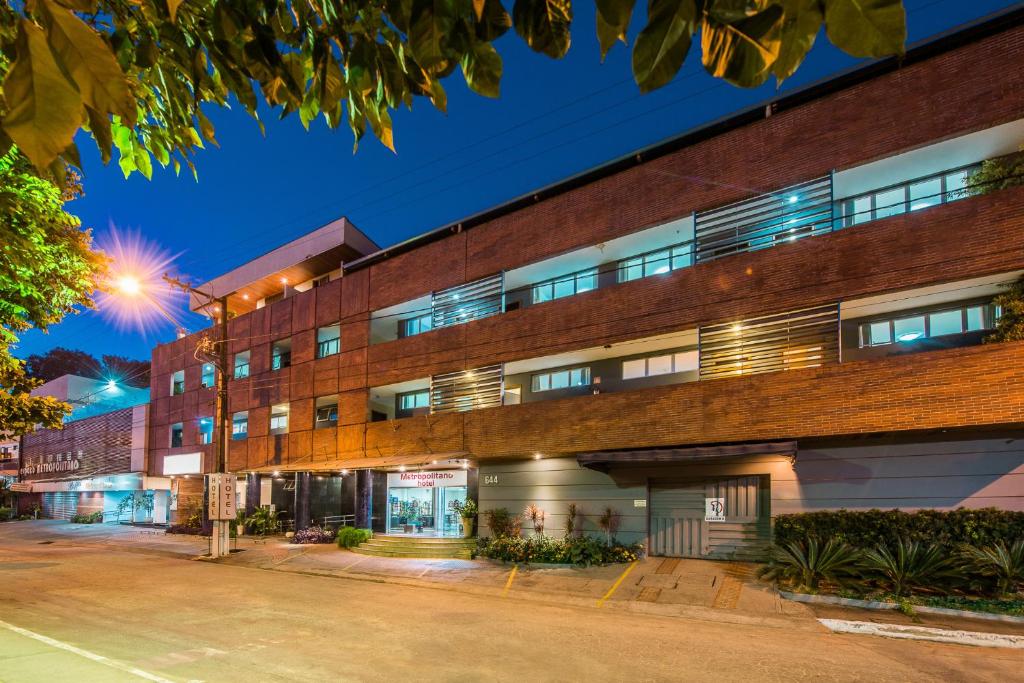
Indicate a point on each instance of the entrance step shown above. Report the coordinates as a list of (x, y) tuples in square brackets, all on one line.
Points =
[(427, 547)]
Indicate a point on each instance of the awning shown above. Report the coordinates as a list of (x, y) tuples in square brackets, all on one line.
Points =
[(603, 460), (416, 460)]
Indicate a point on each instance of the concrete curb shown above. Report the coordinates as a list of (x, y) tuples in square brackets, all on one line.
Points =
[(937, 635), (874, 604)]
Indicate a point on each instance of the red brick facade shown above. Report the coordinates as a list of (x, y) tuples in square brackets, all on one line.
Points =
[(948, 95)]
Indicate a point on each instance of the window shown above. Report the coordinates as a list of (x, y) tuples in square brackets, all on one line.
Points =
[(577, 283), (279, 418), (413, 326), (909, 196), (326, 411), (178, 383), (935, 324), (209, 377), (561, 379), (240, 425), (656, 262), (205, 430), (281, 354), (328, 341), (242, 365), (177, 434), (414, 400), (662, 364)]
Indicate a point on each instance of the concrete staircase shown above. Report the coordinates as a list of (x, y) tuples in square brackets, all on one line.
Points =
[(422, 547)]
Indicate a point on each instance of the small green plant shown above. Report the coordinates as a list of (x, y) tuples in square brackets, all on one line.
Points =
[(503, 523), (125, 505), (87, 518), (910, 565), (582, 551), (350, 537), (465, 508), (997, 174), (609, 522), (5, 514), (263, 521), (807, 565), (1002, 565), (536, 516), (1010, 326)]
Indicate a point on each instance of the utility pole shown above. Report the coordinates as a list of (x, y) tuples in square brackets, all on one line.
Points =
[(221, 531)]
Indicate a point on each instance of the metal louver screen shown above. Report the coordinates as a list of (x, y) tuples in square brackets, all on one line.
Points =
[(783, 341), (455, 392), (473, 300), (793, 213)]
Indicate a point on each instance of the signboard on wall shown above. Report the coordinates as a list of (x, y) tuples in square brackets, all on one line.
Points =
[(426, 480), (714, 509)]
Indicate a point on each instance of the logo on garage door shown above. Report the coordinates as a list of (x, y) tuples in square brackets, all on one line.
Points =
[(714, 509)]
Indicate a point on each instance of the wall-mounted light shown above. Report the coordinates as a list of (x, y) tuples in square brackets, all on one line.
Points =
[(344, 472), (401, 468), (537, 456), (276, 473)]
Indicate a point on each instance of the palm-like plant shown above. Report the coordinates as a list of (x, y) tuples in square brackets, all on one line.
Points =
[(806, 565), (911, 565), (1004, 565)]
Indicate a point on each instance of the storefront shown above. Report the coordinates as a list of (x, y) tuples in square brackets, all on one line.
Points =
[(424, 502), (130, 497)]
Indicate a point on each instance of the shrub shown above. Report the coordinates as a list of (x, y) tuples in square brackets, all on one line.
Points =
[(313, 534), (6, 513), (183, 529), (582, 551), (536, 516), (801, 565), (503, 523), (911, 565), (263, 521), (1002, 565), (571, 513), (609, 522), (873, 528), (87, 518), (466, 508), (350, 537)]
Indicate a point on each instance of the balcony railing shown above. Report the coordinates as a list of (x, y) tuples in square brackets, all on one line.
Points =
[(455, 392), (471, 301)]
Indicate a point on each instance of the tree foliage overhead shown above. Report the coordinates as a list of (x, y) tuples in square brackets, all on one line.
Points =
[(47, 270), (60, 361), (136, 73)]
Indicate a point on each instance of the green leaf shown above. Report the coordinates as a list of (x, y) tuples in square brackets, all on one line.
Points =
[(482, 69), (801, 22), (866, 28), (662, 45), (143, 162), (45, 108), (430, 23), (544, 25), (613, 18), (84, 55), (494, 22), (742, 50), (172, 8)]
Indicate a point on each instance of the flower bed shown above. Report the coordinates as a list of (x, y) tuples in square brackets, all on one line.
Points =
[(313, 534), (582, 551)]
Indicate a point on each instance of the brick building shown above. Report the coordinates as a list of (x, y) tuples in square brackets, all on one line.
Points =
[(782, 311)]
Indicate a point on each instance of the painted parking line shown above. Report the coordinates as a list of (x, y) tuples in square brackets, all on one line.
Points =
[(511, 578), (618, 582), (100, 659)]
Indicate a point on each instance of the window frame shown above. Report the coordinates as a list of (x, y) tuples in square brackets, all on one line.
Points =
[(536, 379), (675, 256), (673, 355), (236, 434), (405, 394), (989, 315), (588, 274), (848, 215)]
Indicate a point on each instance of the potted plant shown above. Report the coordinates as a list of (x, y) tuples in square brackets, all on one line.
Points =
[(466, 509)]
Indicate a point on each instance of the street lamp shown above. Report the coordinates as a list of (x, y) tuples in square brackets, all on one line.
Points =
[(137, 290)]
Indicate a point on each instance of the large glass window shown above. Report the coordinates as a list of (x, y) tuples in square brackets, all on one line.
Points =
[(209, 377), (418, 325), (279, 418), (178, 383), (177, 434), (656, 262), (328, 341), (660, 364), (240, 425), (937, 324), (242, 365), (414, 399), (577, 283), (281, 354), (205, 430), (561, 379), (913, 195)]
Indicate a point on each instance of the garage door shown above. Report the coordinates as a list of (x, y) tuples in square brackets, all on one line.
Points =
[(61, 505), (678, 528)]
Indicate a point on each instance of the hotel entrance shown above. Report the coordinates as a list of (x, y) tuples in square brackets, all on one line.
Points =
[(423, 503)]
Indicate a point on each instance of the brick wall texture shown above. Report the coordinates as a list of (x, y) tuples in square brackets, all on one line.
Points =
[(967, 89)]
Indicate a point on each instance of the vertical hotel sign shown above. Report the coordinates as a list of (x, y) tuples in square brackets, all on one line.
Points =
[(426, 480)]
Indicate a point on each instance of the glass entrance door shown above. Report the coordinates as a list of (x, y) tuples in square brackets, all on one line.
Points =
[(411, 511), (450, 520)]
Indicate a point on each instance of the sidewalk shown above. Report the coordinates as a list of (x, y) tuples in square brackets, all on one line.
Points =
[(718, 591)]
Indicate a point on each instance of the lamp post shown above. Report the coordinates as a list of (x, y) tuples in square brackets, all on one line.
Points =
[(132, 287)]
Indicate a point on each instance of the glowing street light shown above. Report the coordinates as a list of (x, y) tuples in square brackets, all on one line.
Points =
[(129, 285)]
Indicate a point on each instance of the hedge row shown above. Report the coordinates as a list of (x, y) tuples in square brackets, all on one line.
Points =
[(871, 528)]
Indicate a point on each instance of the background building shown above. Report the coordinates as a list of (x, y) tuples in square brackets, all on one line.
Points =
[(774, 313), (97, 462)]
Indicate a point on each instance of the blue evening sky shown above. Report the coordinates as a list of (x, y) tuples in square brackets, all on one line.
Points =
[(553, 119)]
